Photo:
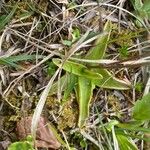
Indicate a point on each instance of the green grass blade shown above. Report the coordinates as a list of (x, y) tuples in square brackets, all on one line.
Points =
[(25, 15), (84, 92), (22, 57), (9, 63), (12, 60), (7, 19)]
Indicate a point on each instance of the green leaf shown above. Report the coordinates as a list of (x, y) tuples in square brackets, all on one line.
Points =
[(83, 143), (23, 145), (132, 135), (135, 136), (51, 68), (71, 82), (88, 78), (111, 124), (133, 126), (138, 5), (139, 21), (98, 51), (142, 8), (75, 34), (130, 125), (63, 82), (67, 42), (109, 81), (137, 129), (84, 92), (67, 82), (141, 110), (146, 8), (77, 69), (125, 143), (4, 21)]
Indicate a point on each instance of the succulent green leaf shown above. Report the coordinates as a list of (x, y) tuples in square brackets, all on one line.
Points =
[(137, 4), (62, 81), (146, 7), (109, 81), (77, 69), (142, 8), (141, 110), (130, 125), (71, 82), (84, 92), (98, 51), (67, 83), (88, 78), (22, 145), (111, 124), (136, 128), (125, 143)]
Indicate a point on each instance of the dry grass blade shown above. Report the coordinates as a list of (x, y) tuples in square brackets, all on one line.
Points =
[(40, 105), (23, 36), (106, 63), (116, 146), (87, 136), (16, 80), (147, 87), (113, 6)]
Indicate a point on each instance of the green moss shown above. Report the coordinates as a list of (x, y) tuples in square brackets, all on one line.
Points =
[(69, 116)]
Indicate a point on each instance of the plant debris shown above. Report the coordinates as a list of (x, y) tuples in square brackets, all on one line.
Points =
[(45, 138)]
